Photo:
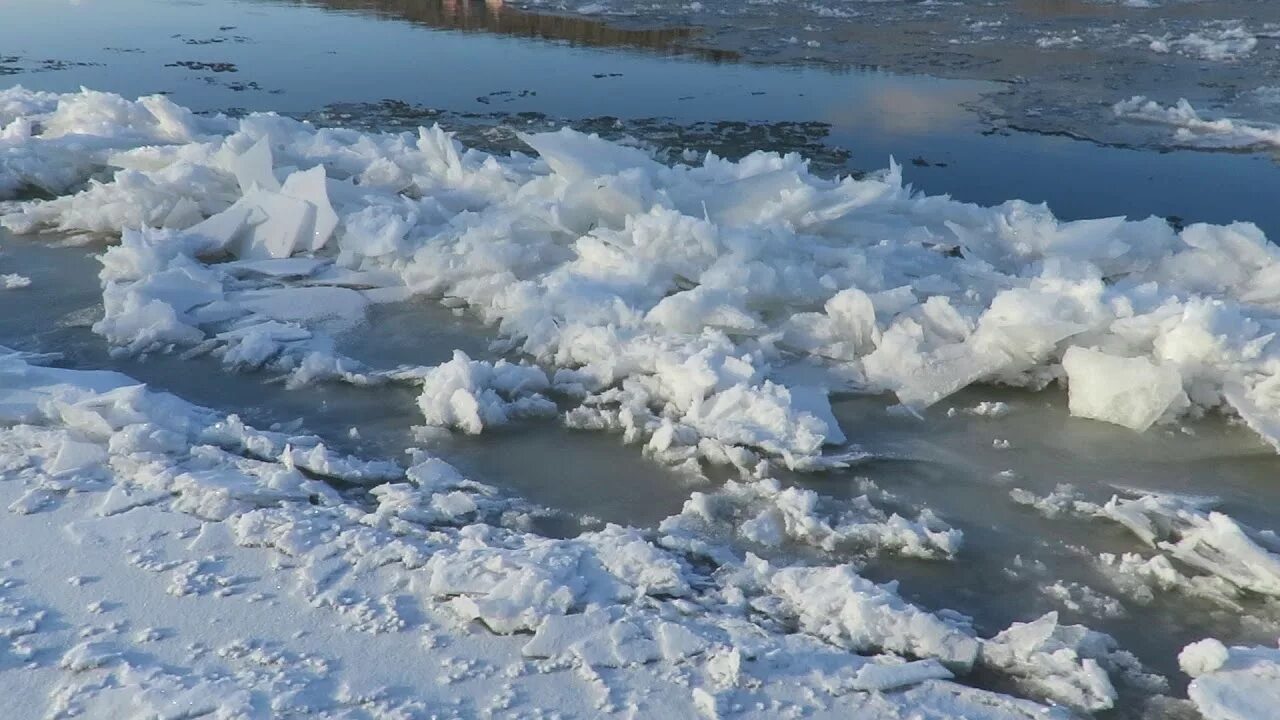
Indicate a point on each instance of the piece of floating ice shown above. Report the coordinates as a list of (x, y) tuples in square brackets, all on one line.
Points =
[(1218, 42), (1184, 528), (14, 281), (1237, 683), (769, 516), (1208, 541), (470, 395)]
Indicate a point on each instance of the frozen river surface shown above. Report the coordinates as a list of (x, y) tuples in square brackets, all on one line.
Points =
[(528, 422)]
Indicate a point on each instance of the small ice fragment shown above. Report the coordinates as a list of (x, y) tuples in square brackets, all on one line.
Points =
[(13, 281)]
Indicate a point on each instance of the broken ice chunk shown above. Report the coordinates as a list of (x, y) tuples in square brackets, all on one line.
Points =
[(266, 224), (1061, 662), (252, 168), (340, 308), (1235, 683), (309, 186), (1133, 392)]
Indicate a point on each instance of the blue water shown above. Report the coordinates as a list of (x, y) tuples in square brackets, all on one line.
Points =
[(298, 58)]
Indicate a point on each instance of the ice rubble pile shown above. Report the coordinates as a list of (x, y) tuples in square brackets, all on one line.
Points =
[(669, 299), (609, 598), (1219, 41)]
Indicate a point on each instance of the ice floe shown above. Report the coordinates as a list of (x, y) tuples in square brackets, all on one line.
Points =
[(1192, 129), (14, 281)]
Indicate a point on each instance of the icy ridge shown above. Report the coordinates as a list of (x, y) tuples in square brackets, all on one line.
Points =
[(666, 298)]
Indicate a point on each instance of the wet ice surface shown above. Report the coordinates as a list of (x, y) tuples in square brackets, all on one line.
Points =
[(1063, 61), (964, 460)]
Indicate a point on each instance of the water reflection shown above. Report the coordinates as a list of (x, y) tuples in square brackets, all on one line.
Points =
[(905, 109), (495, 16)]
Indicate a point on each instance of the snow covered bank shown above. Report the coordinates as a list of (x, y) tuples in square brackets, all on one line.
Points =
[(179, 509), (667, 299)]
